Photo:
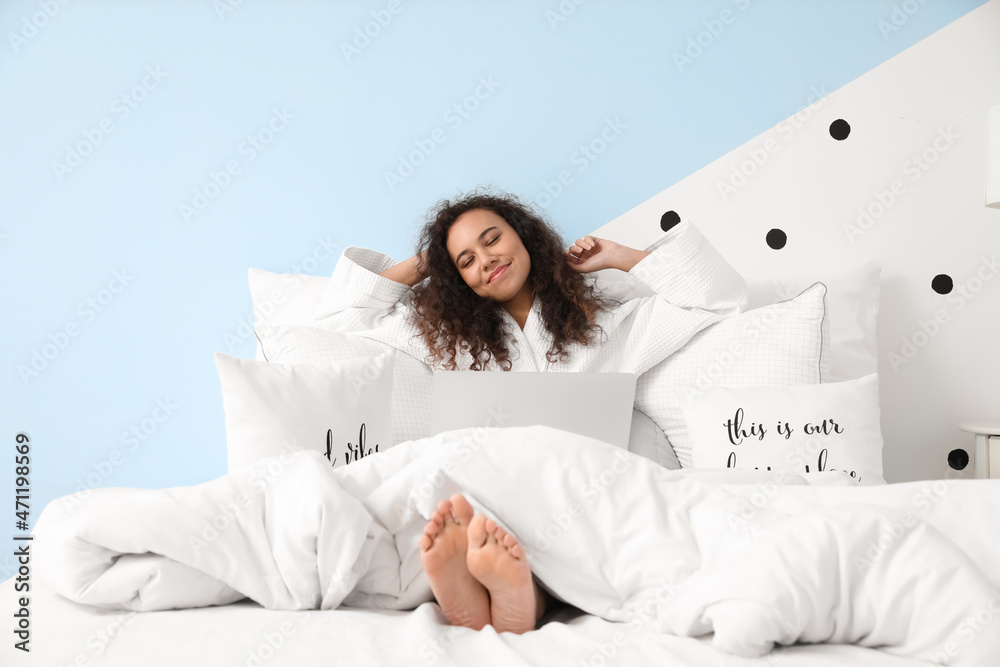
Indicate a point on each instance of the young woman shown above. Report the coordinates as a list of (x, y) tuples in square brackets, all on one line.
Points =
[(493, 287)]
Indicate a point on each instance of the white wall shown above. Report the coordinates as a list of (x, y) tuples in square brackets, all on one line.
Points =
[(918, 126)]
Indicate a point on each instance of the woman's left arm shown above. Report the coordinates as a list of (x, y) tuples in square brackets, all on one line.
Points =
[(695, 287), (686, 270), (682, 267)]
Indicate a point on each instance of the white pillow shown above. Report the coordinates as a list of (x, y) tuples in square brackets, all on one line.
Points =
[(284, 298), (780, 344), (851, 301), (800, 429), (339, 409), (646, 439), (411, 379), (851, 308)]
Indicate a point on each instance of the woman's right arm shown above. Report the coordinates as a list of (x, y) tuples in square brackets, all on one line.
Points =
[(368, 295)]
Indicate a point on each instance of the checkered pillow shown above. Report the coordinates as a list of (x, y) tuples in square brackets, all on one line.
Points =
[(411, 381), (283, 298), (780, 344)]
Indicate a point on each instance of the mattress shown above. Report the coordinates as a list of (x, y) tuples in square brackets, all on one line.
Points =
[(244, 634)]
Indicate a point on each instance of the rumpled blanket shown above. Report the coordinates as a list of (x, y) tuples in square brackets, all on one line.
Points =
[(757, 558)]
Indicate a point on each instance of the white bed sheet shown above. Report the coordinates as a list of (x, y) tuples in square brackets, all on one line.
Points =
[(244, 634)]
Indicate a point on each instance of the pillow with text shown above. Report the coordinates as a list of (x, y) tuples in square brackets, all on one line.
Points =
[(338, 409), (798, 429)]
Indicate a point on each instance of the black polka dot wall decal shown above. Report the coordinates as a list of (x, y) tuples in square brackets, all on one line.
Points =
[(942, 284), (776, 239), (669, 219), (839, 129), (958, 459)]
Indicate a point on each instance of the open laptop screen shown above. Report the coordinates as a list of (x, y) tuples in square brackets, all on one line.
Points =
[(598, 405)]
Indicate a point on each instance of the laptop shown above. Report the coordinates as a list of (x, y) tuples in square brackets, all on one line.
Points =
[(597, 405)]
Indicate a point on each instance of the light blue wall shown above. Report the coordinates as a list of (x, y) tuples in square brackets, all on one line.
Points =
[(221, 74)]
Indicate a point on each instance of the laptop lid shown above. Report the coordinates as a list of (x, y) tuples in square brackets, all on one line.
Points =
[(598, 405)]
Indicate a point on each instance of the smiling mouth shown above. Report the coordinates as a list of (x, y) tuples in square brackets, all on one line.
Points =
[(499, 272)]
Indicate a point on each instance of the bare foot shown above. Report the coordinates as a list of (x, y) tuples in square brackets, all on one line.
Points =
[(443, 547), (497, 560)]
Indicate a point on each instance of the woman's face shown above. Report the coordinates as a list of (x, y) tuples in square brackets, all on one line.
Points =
[(480, 242)]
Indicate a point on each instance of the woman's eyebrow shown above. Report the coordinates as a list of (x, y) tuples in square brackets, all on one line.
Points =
[(485, 232)]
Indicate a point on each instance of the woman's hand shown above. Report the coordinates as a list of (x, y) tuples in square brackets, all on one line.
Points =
[(593, 254)]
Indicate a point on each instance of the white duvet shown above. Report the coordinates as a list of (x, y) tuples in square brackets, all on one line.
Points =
[(757, 560)]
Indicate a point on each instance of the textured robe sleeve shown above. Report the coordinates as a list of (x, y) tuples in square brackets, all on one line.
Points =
[(694, 288), (358, 300)]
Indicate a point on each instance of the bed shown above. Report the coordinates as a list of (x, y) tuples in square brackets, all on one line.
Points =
[(757, 561), (803, 549)]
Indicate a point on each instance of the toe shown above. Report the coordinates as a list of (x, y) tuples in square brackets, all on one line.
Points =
[(425, 542), (509, 541), (491, 526), (461, 508), (477, 531), (444, 510), (517, 551)]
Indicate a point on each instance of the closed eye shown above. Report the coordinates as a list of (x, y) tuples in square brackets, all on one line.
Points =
[(490, 242)]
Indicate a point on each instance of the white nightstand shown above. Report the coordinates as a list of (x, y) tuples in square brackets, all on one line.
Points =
[(987, 447)]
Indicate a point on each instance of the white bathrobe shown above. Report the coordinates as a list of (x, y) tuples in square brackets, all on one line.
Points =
[(693, 285)]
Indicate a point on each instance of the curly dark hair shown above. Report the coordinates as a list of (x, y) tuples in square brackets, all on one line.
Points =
[(450, 314)]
